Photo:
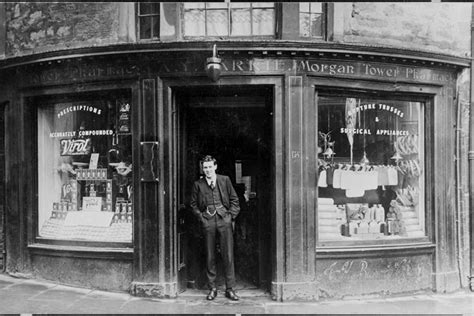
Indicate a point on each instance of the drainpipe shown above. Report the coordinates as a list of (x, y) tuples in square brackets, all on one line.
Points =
[(471, 156), (458, 106)]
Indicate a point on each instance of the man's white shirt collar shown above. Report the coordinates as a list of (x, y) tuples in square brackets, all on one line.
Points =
[(211, 180)]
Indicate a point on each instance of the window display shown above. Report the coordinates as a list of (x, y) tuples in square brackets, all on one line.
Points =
[(371, 163), (85, 187)]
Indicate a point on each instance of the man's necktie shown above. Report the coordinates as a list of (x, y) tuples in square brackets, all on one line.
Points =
[(212, 185)]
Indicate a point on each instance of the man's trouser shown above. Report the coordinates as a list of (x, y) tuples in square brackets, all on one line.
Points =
[(221, 228)]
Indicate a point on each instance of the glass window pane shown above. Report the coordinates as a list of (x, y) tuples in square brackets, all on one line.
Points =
[(145, 8), (217, 23), (304, 7), (316, 7), (371, 165), (263, 22), (84, 170), (145, 27), (263, 5), (316, 25), (156, 27), (194, 5), (216, 5), (241, 22), (305, 25), (155, 8), (240, 5), (194, 23)]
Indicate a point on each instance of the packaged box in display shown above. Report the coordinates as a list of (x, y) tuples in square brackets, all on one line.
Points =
[(91, 174)]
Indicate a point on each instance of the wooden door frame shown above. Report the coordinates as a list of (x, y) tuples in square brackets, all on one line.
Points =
[(172, 159)]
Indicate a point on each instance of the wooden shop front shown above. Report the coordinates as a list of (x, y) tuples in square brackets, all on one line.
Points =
[(341, 158)]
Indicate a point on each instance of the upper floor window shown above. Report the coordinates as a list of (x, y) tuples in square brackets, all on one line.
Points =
[(229, 19), (148, 20), (311, 19)]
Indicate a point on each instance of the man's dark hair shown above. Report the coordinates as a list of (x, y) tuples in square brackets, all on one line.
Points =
[(209, 158)]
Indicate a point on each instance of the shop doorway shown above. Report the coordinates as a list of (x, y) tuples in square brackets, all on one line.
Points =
[(233, 124)]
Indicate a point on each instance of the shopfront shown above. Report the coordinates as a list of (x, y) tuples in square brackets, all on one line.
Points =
[(342, 163)]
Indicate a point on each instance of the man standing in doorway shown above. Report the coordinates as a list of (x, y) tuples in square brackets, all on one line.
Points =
[(215, 203)]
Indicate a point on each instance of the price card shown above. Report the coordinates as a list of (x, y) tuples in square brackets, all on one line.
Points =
[(94, 160), (92, 204)]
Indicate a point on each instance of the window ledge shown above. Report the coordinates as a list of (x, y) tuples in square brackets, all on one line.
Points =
[(81, 251), (413, 248)]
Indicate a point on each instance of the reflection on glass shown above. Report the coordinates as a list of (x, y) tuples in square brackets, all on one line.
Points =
[(371, 163), (145, 27), (229, 19), (194, 5), (311, 19), (241, 22), (194, 23), (316, 7), (145, 8), (234, 5), (217, 23), (263, 4), (305, 25), (263, 22)]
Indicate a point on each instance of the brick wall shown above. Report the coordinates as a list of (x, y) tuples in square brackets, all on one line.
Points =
[(36, 27)]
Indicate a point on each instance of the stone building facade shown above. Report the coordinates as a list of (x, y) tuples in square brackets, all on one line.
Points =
[(107, 107)]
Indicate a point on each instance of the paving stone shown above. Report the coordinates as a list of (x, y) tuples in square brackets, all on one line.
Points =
[(4, 283), (95, 306), (20, 296), (151, 307), (60, 295)]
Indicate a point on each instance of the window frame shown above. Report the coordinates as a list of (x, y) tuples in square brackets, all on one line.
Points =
[(153, 16), (406, 92), (79, 248), (324, 24), (276, 24)]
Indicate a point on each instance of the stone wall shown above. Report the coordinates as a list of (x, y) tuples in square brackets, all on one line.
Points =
[(37, 27), (435, 27)]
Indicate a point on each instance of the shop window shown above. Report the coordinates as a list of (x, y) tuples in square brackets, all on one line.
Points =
[(312, 22), (371, 168), (148, 20), (85, 187), (229, 19)]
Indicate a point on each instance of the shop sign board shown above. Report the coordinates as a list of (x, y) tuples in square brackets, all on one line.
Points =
[(310, 66)]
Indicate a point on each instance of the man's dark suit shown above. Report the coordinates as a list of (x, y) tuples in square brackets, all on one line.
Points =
[(201, 198)]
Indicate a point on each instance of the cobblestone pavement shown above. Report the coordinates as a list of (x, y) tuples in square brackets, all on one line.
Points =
[(19, 295)]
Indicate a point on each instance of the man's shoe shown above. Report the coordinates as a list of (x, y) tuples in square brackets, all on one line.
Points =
[(212, 294), (229, 293)]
